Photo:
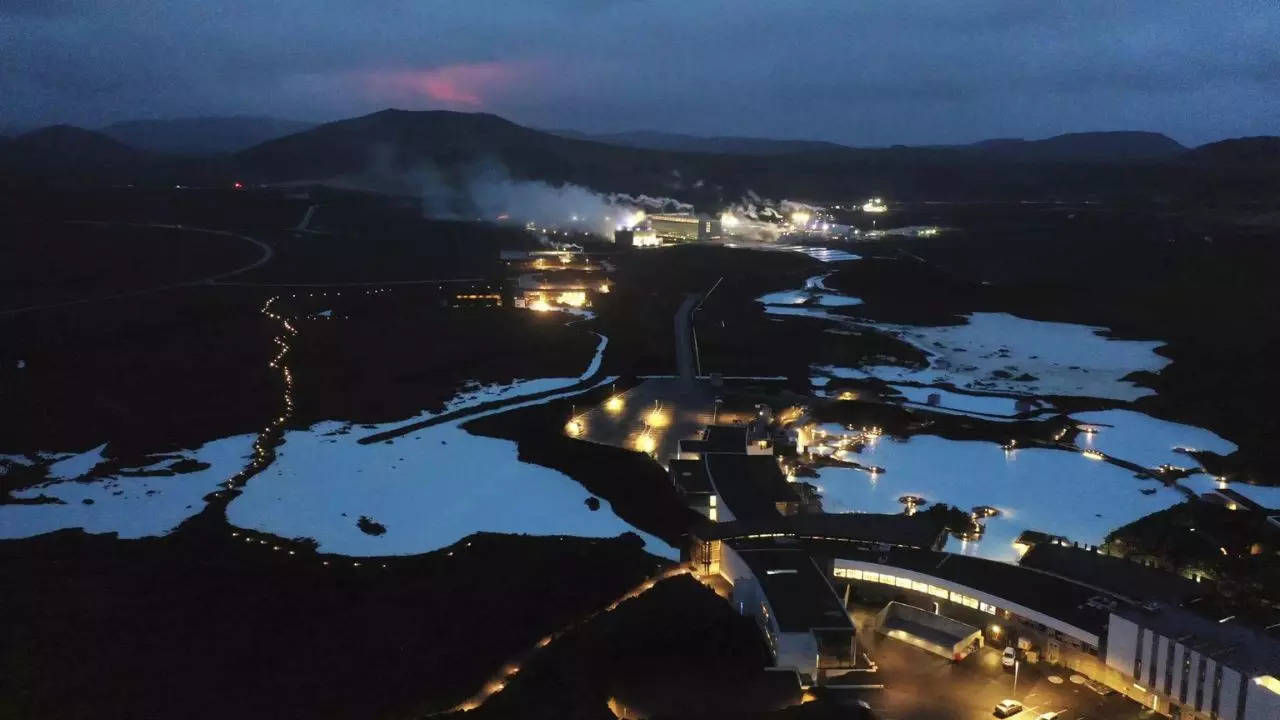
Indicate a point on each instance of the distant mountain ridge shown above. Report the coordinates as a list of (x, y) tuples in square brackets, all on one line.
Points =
[(203, 135), (677, 142), (407, 151), (1256, 151), (1105, 146)]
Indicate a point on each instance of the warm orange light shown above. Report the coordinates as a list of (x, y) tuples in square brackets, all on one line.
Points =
[(646, 444)]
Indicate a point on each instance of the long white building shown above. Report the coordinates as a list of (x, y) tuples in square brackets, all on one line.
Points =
[(1191, 666)]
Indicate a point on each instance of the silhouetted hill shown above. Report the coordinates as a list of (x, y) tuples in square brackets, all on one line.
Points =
[(1248, 151), (403, 151), (202, 135), (71, 153), (1088, 147), (413, 152), (400, 149), (729, 145)]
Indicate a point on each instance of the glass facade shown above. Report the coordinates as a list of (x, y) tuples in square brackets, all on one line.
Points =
[(909, 584)]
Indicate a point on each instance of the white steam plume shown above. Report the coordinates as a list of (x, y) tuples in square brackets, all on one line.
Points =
[(486, 191), (761, 218)]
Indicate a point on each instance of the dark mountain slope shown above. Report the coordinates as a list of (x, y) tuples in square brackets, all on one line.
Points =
[(202, 135), (71, 153)]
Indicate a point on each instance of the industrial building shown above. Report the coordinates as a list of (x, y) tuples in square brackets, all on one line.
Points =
[(636, 237), (685, 227)]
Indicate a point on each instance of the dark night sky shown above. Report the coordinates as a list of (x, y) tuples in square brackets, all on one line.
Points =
[(865, 72)]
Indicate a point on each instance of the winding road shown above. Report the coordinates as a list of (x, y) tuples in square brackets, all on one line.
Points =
[(267, 254)]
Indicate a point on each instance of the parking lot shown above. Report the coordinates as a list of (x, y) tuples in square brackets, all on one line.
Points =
[(920, 685)]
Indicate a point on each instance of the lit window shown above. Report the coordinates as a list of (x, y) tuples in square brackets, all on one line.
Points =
[(870, 576), (919, 586), (986, 608), (938, 592), (904, 583), (855, 574)]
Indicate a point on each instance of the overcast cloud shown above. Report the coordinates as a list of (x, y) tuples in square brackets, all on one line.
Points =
[(864, 72)]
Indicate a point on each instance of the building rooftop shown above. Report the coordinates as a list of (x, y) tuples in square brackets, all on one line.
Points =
[(1234, 644), (690, 476), (725, 439), (799, 594), (1244, 501), (1039, 591), (913, 531), (750, 486), (688, 445), (936, 629), (1112, 574)]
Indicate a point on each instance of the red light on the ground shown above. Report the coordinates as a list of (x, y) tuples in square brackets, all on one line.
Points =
[(238, 185)]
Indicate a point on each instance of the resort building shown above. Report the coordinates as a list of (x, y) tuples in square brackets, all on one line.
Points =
[(1184, 665), (804, 623)]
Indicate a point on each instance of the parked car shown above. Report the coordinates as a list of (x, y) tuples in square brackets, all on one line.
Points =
[(1010, 657), (1007, 708), (1052, 715)]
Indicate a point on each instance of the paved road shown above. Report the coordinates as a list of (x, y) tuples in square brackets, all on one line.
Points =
[(267, 254), (306, 219), (923, 686), (685, 363)]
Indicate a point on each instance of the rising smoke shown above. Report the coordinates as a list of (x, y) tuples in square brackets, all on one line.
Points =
[(487, 191), (764, 219)]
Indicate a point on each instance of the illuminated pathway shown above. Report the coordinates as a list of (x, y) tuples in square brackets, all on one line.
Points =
[(511, 669), (264, 447)]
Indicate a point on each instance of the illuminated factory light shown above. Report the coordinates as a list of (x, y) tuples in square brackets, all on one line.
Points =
[(1093, 455), (874, 205), (540, 305), (646, 444), (800, 218), (574, 298), (614, 404), (728, 220), (573, 427)]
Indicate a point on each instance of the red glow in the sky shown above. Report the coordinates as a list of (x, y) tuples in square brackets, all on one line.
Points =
[(465, 85)]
